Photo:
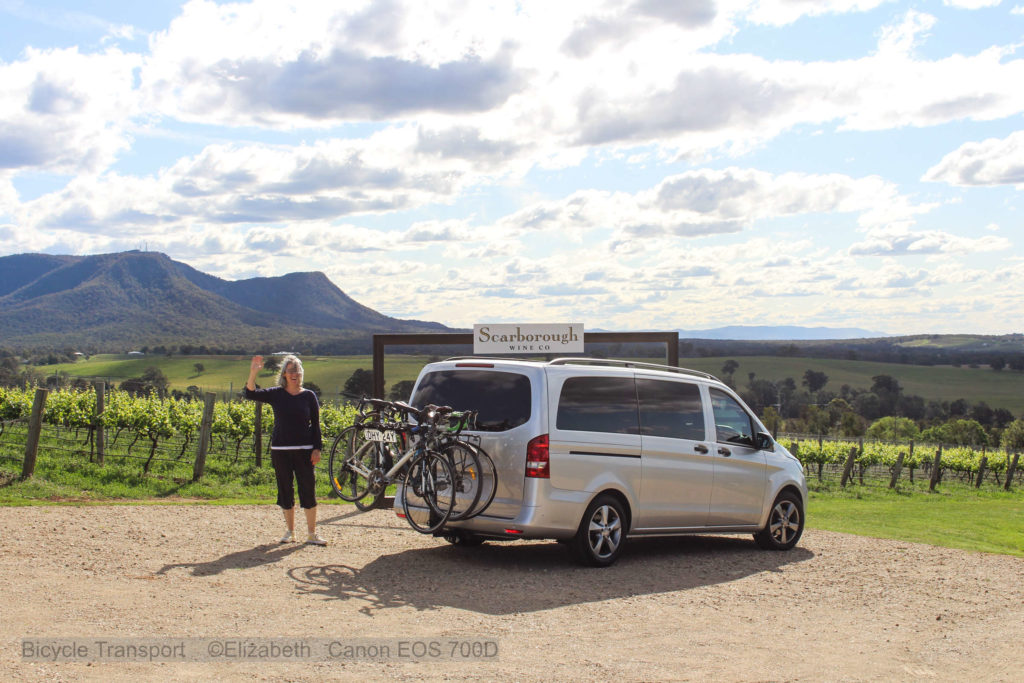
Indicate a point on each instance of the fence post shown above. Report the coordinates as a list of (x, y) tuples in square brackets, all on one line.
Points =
[(258, 434), (1012, 468), (896, 470), (860, 468), (848, 470), (35, 425), (204, 436), (99, 436), (936, 469), (981, 471)]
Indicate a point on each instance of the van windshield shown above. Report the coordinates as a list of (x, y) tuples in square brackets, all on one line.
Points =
[(502, 398)]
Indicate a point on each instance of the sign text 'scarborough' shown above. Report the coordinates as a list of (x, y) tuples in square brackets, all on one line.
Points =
[(528, 338)]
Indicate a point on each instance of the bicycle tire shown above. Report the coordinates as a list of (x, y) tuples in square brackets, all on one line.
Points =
[(467, 477), (427, 492), (349, 483), (488, 481), (384, 458)]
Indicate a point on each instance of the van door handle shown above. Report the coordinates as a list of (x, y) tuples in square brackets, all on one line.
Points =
[(724, 451), (701, 448)]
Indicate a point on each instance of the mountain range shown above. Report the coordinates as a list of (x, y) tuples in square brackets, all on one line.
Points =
[(112, 302)]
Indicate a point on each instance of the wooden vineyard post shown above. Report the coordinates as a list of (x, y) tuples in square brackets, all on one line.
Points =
[(896, 470), (258, 434), (35, 425), (936, 469), (1011, 470), (981, 471), (860, 468), (99, 434), (911, 456), (204, 436), (848, 470)]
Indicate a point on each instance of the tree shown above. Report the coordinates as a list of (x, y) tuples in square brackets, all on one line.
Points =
[(888, 391), (957, 433), (729, 368), (772, 420), (401, 391), (360, 383), (891, 428), (1013, 436), (814, 380), (314, 387), (198, 367), (271, 363)]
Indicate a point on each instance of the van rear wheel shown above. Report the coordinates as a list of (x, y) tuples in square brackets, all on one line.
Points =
[(599, 539)]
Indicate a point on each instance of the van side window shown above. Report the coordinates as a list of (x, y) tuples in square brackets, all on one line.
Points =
[(732, 424), (670, 409), (598, 404)]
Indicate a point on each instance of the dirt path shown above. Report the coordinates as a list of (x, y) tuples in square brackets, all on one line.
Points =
[(837, 607)]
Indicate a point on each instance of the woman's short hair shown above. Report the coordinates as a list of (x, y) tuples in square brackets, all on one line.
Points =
[(289, 360)]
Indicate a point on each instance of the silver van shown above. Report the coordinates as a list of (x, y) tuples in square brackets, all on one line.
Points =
[(590, 452)]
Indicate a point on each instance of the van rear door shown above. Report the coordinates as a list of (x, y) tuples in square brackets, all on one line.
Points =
[(506, 400)]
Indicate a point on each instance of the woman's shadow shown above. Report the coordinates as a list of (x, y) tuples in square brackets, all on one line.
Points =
[(243, 559)]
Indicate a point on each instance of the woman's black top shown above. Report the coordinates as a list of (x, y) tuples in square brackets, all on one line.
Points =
[(296, 418)]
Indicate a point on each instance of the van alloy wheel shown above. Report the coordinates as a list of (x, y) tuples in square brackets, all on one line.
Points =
[(600, 536), (785, 523)]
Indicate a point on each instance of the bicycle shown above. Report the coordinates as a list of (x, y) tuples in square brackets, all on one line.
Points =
[(428, 486), (379, 421)]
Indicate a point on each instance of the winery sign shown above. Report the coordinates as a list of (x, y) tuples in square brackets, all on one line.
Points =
[(545, 338)]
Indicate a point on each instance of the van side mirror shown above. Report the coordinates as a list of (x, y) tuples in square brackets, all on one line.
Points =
[(763, 441)]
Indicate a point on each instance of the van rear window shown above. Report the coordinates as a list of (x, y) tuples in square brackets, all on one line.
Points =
[(502, 398)]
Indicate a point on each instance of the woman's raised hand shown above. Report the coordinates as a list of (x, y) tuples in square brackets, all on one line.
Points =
[(256, 365)]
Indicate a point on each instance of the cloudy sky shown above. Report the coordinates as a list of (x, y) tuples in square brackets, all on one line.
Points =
[(654, 164)]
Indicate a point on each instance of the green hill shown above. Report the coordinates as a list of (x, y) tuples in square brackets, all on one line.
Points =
[(119, 302)]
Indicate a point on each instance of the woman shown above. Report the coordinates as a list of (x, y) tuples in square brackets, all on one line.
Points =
[(296, 442)]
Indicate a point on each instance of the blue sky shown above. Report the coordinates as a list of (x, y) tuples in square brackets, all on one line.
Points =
[(655, 164)]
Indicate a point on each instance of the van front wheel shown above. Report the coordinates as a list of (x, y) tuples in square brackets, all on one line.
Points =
[(785, 523), (599, 539)]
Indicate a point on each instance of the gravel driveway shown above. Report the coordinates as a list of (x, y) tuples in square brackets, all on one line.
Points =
[(837, 607)]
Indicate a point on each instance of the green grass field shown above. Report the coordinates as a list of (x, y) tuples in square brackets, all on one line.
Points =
[(953, 517), (222, 373)]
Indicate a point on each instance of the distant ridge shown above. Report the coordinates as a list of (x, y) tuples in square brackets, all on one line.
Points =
[(114, 301), (781, 333)]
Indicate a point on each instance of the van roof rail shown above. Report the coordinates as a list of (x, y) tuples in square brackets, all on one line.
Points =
[(485, 358), (631, 364), (574, 360)]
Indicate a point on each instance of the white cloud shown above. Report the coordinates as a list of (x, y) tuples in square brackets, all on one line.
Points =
[(64, 111), (971, 4), (990, 162), (902, 242)]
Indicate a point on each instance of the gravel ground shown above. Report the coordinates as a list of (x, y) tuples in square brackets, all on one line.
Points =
[(836, 608)]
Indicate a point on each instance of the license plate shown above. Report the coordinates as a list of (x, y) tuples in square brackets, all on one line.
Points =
[(378, 435)]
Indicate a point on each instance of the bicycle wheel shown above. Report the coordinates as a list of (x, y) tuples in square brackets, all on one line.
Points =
[(350, 474), (428, 492), (385, 458), (488, 481), (466, 470)]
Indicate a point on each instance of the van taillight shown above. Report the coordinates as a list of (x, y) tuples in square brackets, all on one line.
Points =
[(538, 459)]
